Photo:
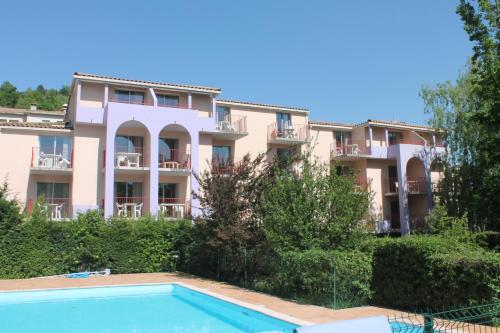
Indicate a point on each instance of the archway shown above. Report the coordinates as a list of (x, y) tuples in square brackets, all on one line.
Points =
[(174, 168)]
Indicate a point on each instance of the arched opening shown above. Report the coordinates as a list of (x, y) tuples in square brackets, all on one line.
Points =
[(417, 190), (131, 166), (437, 174), (174, 168)]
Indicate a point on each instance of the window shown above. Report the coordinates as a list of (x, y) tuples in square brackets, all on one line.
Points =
[(166, 191), (394, 138), (221, 155), (168, 150), (223, 114), (51, 191), (127, 96), (283, 121), (167, 100), (128, 190), (55, 146), (128, 144), (344, 170)]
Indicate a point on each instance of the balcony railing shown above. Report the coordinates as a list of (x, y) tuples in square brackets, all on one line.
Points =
[(51, 161), (232, 124), (416, 185), (129, 206), (55, 208), (290, 133), (129, 157), (349, 148), (361, 183), (131, 101), (225, 167), (411, 141), (174, 159), (175, 208), (391, 185)]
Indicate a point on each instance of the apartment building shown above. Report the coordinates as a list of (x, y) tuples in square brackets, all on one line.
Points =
[(132, 148)]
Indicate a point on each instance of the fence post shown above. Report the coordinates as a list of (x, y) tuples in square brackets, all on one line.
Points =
[(334, 288), (428, 323)]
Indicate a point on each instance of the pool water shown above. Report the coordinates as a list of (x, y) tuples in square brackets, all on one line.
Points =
[(138, 309)]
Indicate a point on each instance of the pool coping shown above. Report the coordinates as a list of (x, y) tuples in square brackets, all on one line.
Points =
[(258, 308)]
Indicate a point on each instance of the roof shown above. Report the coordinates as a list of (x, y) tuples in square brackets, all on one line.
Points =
[(395, 124), (330, 124), (150, 83), (52, 125), (261, 105), (5, 110)]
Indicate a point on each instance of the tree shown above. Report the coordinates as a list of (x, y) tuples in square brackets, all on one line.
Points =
[(313, 208), (8, 94), (9, 210), (228, 234), (469, 113)]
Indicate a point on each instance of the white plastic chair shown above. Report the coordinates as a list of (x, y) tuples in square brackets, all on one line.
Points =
[(138, 210), (57, 212), (120, 209)]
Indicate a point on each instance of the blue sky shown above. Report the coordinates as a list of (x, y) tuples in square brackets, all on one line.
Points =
[(345, 60)]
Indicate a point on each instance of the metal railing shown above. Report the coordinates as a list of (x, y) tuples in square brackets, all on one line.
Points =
[(129, 207), (55, 208), (349, 148), (232, 124), (287, 132), (225, 167), (131, 101), (474, 319), (391, 185), (175, 208), (129, 157), (52, 161), (416, 185), (174, 159)]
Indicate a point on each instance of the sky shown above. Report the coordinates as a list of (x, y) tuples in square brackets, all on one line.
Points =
[(346, 61)]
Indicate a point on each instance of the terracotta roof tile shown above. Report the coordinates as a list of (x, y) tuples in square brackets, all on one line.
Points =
[(175, 85), (393, 123), (5, 110), (48, 125), (329, 123), (230, 101)]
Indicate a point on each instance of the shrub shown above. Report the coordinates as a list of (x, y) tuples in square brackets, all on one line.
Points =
[(430, 272), (40, 247), (309, 276), (488, 239)]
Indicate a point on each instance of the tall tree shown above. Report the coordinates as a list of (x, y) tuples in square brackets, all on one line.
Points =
[(469, 112), (8, 94)]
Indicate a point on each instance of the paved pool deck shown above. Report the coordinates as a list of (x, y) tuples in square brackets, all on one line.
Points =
[(307, 314)]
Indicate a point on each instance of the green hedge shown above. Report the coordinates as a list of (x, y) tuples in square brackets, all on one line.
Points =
[(41, 248), (433, 273), (309, 277)]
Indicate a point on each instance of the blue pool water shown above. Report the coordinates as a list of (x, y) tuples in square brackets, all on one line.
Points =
[(153, 308)]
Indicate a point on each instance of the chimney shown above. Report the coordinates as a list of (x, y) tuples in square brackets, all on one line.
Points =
[(33, 107)]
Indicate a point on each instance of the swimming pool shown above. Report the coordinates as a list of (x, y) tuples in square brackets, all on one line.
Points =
[(148, 308)]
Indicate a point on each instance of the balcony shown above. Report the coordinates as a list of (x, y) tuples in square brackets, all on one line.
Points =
[(173, 208), (225, 168), (174, 162), (51, 163), (56, 209), (287, 134), (128, 159), (137, 101), (414, 141), (351, 149), (416, 185), (391, 186), (132, 207), (361, 184), (231, 128)]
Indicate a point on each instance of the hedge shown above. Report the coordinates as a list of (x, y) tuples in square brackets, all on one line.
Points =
[(308, 276), (433, 273), (41, 248)]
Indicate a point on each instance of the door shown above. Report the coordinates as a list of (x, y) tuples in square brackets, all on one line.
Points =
[(283, 120), (395, 224)]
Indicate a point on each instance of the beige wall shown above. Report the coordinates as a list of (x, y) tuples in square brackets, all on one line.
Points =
[(92, 95), (205, 152), (88, 178), (378, 135), (321, 142)]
